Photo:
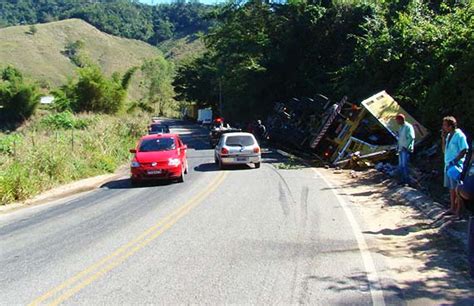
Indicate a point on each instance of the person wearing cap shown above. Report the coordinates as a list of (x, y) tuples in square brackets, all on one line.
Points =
[(455, 148), (405, 147)]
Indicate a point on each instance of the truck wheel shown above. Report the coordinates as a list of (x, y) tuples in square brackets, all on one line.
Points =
[(257, 165)]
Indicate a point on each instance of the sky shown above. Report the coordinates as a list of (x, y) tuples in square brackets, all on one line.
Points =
[(168, 1)]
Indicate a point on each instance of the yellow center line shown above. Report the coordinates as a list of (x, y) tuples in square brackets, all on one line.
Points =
[(100, 268)]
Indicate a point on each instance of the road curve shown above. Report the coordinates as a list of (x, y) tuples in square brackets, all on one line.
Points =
[(260, 236)]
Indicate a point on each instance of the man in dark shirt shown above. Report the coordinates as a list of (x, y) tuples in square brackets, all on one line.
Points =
[(465, 190), (465, 198), (260, 132)]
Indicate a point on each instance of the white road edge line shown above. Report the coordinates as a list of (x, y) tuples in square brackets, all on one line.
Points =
[(375, 287)]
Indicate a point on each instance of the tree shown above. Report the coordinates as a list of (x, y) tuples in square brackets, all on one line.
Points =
[(158, 73), (33, 29), (18, 97), (73, 50), (261, 53)]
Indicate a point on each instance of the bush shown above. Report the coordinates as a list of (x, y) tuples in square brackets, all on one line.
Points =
[(94, 92), (8, 143), (64, 120), (15, 183)]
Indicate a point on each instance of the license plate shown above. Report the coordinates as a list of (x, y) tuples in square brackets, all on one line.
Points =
[(241, 158), (153, 172)]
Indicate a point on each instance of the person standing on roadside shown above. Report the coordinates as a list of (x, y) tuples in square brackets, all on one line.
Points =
[(405, 147), (261, 131), (455, 147), (465, 198), (465, 188)]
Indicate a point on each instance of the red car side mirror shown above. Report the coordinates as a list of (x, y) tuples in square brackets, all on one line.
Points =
[(133, 151)]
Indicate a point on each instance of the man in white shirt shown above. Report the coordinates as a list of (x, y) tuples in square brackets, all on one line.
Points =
[(406, 145)]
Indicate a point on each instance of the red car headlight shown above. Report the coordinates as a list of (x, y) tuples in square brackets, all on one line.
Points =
[(174, 162)]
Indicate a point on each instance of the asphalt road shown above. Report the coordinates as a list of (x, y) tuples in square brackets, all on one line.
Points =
[(242, 235)]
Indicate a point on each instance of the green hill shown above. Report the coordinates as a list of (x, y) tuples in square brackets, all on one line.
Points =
[(179, 49), (41, 56)]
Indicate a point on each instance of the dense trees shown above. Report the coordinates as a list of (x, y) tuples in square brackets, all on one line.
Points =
[(419, 51), (259, 52), (124, 18)]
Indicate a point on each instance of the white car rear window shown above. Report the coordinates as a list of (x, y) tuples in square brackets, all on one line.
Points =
[(239, 141)]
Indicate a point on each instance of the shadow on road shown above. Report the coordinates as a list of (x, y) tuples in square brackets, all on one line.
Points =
[(127, 184), (401, 231), (212, 167)]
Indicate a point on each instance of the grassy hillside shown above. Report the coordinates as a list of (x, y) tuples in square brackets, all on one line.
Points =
[(41, 56), (179, 49)]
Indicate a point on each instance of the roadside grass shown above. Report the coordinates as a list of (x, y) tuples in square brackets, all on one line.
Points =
[(49, 151)]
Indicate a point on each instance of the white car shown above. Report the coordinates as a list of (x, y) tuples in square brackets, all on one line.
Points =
[(237, 149)]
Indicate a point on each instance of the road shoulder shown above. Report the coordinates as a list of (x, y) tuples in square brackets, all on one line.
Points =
[(427, 266), (65, 191)]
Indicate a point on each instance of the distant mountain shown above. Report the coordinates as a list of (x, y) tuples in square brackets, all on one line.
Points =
[(45, 55)]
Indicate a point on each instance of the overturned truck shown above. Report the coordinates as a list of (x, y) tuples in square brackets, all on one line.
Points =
[(336, 131)]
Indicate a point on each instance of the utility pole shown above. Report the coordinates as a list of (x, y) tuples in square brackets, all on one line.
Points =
[(220, 99)]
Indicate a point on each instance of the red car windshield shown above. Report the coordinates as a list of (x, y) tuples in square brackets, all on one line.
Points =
[(157, 144)]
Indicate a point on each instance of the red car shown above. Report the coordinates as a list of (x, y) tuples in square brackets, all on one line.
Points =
[(159, 157)]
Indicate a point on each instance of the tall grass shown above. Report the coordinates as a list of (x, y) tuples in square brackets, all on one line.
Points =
[(49, 151)]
